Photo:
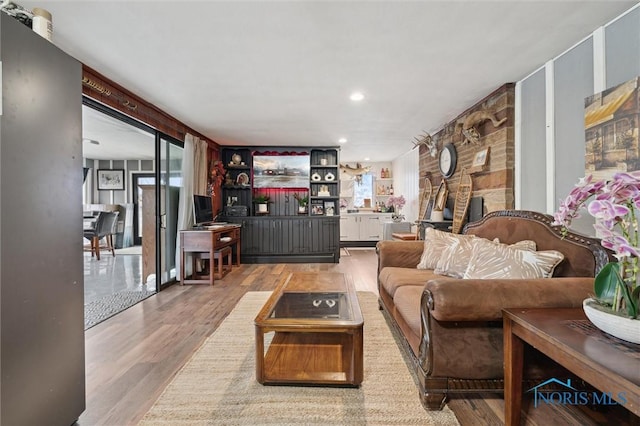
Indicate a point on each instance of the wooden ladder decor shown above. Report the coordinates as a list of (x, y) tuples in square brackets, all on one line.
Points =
[(463, 198)]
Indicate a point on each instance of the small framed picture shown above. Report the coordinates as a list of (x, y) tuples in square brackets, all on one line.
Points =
[(480, 159), (317, 209), (329, 208), (111, 179)]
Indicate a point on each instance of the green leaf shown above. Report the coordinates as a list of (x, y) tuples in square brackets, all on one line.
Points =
[(606, 281), (630, 300)]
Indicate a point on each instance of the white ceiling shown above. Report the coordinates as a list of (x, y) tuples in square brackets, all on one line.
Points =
[(280, 73)]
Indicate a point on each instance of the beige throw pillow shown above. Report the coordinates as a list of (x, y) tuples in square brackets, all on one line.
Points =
[(491, 260), (435, 243), (455, 259)]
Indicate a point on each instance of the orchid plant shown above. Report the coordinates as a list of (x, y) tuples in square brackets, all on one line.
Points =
[(613, 204), (397, 203)]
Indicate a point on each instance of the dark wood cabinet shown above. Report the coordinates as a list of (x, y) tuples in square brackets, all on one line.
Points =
[(289, 239)]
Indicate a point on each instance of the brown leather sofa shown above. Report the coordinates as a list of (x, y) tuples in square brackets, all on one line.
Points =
[(452, 328)]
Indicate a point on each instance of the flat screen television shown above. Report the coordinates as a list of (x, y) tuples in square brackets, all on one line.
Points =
[(281, 171), (202, 210)]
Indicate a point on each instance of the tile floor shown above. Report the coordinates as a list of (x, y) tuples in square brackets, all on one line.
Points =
[(111, 275)]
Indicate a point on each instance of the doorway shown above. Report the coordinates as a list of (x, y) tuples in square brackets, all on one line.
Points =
[(137, 181), (145, 156)]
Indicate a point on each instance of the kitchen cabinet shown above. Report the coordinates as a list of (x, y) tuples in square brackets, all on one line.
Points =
[(363, 226)]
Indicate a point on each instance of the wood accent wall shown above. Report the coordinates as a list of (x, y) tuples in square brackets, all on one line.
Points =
[(495, 184), (102, 89)]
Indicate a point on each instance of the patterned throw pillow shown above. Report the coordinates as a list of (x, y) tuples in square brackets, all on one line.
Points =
[(455, 259), (435, 244), (491, 260)]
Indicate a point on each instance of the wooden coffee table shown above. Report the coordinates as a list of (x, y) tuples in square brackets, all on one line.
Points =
[(309, 332)]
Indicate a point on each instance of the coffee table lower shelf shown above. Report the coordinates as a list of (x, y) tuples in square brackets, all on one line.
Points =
[(313, 358)]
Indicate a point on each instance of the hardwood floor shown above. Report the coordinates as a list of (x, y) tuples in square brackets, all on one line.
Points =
[(131, 357)]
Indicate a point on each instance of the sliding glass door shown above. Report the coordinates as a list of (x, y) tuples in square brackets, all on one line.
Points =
[(170, 171), (151, 164)]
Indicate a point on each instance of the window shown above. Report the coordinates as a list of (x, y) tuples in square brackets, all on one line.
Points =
[(363, 191)]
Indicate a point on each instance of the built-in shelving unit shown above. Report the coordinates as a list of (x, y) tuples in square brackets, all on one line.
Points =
[(284, 234)]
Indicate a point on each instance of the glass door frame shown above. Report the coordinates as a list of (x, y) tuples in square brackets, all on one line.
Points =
[(161, 215), (159, 136)]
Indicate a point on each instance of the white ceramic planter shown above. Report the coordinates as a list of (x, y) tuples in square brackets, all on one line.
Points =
[(617, 326), (263, 208)]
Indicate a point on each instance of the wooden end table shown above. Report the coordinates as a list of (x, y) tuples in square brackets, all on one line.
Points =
[(317, 332), (566, 336)]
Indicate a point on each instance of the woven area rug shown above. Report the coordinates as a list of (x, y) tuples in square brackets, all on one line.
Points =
[(218, 387), (101, 309)]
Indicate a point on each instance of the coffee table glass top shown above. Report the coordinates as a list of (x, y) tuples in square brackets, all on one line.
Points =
[(313, 305)]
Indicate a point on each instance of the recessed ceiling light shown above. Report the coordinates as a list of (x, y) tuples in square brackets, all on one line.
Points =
[(342, 140), (356, 96), (366, 158)]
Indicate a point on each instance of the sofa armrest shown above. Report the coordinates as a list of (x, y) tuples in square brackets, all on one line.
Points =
[(401, 254), (483, 300)]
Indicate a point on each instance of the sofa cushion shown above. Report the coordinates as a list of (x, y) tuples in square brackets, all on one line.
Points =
[(435, 244), (490, 260), (407, 303), (391, 278)]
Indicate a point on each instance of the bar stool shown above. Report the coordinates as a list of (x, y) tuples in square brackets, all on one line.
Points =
[(219, 268)]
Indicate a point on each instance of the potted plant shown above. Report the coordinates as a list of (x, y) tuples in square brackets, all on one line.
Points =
[(396, 203), (613, 203), (303, 202), (262, 201)]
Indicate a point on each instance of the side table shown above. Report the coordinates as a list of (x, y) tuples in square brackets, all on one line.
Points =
[(565, 335)]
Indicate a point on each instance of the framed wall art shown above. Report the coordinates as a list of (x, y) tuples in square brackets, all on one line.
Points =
[(111, 179), (481, 157)]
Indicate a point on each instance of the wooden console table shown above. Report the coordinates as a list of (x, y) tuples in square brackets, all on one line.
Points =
[(567, 337), (206, 241)]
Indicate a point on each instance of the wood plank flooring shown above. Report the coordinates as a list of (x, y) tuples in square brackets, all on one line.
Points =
[(130, 358)]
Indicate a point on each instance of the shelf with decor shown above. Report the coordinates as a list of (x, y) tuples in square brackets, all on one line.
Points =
[(236, 188), (324, 183)]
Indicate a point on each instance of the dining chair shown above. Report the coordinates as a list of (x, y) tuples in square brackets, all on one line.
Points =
[(104, 227)]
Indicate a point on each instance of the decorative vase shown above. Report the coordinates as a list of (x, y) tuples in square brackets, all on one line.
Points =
[(437, 215), (616, 325), (263, 208)]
